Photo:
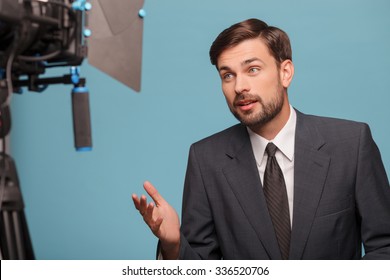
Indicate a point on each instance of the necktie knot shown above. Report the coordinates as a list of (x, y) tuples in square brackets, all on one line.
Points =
[(271, 149)]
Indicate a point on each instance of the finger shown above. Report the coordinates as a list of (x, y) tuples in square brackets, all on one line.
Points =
[(153, 223), (135, 201), (152, 212), (149, 209), (154, 194), (148, 214), (149, 218), (143, 205)]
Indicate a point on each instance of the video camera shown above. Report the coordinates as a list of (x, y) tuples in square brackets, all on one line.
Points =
[(40, 34)]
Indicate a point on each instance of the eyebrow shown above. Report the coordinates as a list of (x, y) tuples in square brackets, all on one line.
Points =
[(245, 62), (248, 61)]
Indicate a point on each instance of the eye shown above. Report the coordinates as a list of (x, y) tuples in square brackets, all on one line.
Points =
[(254, 70), (227, 76)]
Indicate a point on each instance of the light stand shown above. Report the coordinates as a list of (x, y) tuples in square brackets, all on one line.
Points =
[(15, 242)]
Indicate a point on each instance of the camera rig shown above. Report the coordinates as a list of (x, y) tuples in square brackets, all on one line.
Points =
[(36, 35), (39, 34)]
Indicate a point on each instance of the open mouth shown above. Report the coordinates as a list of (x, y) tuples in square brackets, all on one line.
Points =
[(245, 105)]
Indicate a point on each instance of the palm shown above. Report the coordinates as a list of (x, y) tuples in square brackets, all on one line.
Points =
[(168, 230), (160, 216)]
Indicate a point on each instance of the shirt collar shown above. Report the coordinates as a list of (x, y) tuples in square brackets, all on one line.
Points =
[(284, 140)]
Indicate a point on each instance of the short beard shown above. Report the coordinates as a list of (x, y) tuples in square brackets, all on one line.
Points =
[(269, 111)]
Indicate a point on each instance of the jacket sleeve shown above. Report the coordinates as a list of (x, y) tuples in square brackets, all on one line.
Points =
[(198, 236), (373, 199)]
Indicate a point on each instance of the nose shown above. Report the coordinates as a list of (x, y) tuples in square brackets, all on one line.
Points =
[(241, 84)]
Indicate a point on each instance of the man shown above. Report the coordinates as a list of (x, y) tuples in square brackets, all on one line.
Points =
[(318, 191)]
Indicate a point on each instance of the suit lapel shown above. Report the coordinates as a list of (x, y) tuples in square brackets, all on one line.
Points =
[(310, 170), (243, 177)]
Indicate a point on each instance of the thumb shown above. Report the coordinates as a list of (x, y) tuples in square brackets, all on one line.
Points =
[(154, 194)]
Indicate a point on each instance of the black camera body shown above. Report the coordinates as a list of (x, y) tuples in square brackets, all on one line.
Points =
[(39, 35)]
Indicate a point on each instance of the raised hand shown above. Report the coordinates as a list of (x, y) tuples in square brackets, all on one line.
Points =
[(162, 219)]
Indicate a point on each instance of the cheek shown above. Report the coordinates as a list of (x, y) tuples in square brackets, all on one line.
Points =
[(266, 86), (228, 93)]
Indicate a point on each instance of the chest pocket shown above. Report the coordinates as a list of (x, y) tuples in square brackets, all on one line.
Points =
[(333, 206)]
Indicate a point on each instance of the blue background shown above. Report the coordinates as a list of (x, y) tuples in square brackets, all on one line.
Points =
[(78, 205)]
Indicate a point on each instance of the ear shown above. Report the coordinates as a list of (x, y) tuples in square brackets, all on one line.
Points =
[(286, 72)]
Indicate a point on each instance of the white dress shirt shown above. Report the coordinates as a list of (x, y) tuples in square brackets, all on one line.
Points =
[(285, 141)]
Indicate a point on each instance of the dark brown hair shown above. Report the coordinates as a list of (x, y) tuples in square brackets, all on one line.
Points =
[(276, 39)]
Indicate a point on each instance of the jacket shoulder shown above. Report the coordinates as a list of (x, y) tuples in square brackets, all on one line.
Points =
[(223, 136), (329, 126)]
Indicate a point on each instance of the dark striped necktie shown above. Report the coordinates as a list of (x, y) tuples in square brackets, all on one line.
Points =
[(277, 201)]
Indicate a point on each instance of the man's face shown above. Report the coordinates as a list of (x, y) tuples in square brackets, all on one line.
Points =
[(252, 83)]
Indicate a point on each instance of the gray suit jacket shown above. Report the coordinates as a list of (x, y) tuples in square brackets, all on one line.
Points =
[(341, 196)]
